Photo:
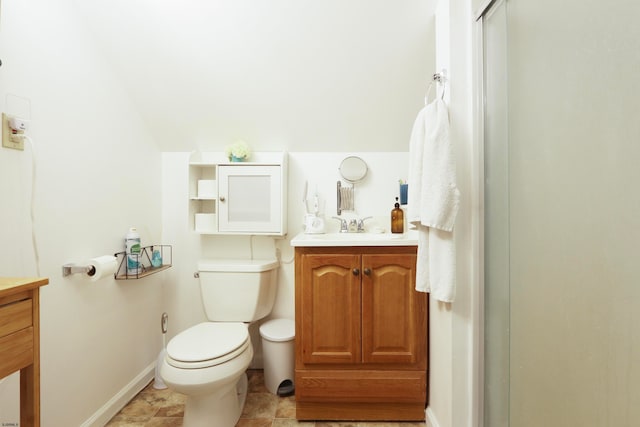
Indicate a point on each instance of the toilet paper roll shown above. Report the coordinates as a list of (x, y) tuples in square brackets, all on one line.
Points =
[(205, 223), (207, 188), (102, 266)]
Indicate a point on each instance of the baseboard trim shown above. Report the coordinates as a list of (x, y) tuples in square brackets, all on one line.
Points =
[(117, 402), (431, 419)]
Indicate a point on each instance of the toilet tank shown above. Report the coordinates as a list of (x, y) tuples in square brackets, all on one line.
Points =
[(237, 290)]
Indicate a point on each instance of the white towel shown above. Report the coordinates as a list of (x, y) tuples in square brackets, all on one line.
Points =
[(433, 201)]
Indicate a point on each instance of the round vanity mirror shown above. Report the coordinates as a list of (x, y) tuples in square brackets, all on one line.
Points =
[(353, 169)]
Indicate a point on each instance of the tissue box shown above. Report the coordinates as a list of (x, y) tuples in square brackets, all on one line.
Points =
[(206, 223), (207, 189)]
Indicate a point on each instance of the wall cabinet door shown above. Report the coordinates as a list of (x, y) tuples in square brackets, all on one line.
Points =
[(250, 199)]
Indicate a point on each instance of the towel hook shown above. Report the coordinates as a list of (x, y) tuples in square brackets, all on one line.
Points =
[(426, 95), (440, 78)]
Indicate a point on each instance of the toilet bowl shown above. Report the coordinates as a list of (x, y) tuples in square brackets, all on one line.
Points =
[(207, 362)]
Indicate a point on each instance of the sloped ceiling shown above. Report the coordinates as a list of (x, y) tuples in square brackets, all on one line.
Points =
[(330, 75)]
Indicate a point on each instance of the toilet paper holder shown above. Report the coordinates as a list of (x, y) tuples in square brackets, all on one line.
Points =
[(68, 269)]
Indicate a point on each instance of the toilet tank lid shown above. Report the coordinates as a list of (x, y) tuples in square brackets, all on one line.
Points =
[(237, 265)]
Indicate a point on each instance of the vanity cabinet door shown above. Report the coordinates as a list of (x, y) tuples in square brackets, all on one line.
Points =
[(330, 309), (250, 199), (394, 314)]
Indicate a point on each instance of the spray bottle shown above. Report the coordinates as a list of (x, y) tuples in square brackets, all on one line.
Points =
[(133, 251)]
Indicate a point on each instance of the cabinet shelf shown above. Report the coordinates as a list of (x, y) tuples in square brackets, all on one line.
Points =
[(144, 260)]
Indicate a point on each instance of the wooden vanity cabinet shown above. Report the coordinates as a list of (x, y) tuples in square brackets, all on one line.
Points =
[(361, 334)]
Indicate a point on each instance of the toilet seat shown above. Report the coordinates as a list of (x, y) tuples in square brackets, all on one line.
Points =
[(207, 344)]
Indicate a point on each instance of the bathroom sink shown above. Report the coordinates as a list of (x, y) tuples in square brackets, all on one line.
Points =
[(409, 238)]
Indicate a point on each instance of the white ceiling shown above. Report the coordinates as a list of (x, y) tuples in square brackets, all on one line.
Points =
[(330, 75)]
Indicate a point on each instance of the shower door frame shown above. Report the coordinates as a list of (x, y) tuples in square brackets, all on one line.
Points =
[(478, 196)]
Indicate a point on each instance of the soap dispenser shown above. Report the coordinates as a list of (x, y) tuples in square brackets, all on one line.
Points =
[(397, 219)]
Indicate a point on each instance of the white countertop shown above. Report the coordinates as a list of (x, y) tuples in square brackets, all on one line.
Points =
[(409, 238)]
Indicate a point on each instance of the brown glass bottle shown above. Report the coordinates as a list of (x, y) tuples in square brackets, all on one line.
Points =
[(397, 219)]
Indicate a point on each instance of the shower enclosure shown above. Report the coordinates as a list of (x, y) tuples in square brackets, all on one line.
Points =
[(561, 97)]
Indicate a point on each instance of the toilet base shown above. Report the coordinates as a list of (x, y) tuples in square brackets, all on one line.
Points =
[(215, 410)]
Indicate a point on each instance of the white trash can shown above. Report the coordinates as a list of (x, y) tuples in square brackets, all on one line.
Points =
[(278, 355)]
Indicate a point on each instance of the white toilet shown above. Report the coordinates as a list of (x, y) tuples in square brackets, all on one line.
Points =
[(207, 362)]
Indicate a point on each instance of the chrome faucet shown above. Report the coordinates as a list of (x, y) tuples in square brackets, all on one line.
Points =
[(344, 228), (361, 224), (353, 226)]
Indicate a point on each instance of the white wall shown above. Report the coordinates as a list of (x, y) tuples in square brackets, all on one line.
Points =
[(98, 172), (453, 328), (283, 74), (104, 90)]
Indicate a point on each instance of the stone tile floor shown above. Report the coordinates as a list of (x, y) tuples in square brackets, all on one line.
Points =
[(164, 408)]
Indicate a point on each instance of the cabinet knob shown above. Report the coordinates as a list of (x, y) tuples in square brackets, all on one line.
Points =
[(355, 271), (367, 271), (222, 198)]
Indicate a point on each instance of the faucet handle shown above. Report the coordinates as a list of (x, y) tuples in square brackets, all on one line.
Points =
[(343, 224), (361, 223)]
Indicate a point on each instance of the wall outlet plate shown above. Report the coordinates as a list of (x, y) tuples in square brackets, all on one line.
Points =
[(9, 139)]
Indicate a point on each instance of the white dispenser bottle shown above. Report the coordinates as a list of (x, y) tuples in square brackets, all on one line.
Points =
[(133, 251)]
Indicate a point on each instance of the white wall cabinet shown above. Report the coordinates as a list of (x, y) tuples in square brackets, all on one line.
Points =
[(250, 198), (238, 197)]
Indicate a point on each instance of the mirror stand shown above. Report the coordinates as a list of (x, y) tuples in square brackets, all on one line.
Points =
[(352, 169), (345, 196)]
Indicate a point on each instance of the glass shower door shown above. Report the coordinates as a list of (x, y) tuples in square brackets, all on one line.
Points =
[(496, 215), (562, 214)]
